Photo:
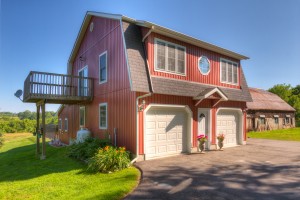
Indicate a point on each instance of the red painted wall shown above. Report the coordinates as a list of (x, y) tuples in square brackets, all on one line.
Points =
[(106, 36), (193, 53)]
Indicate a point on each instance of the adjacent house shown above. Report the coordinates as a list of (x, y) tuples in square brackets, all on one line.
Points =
[(268, 112), (150, 88)]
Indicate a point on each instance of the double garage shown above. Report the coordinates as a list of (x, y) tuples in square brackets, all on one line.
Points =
[(168, 129)]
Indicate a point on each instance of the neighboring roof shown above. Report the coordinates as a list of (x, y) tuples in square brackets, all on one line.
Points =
[(162, 85), (264, 100)]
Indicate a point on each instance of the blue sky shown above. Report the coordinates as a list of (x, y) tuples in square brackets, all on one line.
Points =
[(38, 35)]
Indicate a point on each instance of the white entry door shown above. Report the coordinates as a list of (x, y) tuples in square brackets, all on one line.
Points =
[(204, 124), (165, 133)]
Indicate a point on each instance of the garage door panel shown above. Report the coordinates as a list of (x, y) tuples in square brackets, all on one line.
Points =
[(163, 134), (161, 137), (227, 124)]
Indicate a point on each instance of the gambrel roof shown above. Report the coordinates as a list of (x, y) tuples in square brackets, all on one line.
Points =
[(139, 76)]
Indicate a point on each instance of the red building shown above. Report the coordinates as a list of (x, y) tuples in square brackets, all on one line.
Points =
[(154, 89)]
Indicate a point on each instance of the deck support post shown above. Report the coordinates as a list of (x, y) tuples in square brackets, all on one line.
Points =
[(43, 156), (38, 151)]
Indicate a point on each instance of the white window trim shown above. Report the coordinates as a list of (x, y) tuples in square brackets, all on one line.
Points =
[(66, 122), (101, 82), (199, 68), (87, 69), (238, 75), (83, 117), (60, 124), (103, 127), (166, 61)]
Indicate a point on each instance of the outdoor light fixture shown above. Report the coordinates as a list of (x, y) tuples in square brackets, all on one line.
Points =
[(142, 106), (201, 115), (81, 58), (18, 94)]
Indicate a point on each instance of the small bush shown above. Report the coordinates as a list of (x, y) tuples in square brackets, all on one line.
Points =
[(109, 159), (1, 140), (86, 149)]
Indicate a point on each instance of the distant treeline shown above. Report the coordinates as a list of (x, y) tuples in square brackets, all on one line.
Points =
[(22, 121)]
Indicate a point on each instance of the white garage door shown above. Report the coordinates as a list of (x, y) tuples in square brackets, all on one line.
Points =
[(227, 123), (164, 132)]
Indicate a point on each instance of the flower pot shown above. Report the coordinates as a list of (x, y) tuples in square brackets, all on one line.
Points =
[(201, 146), (220, 144)]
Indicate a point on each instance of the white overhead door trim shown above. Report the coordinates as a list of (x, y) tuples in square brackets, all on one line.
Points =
[(230, 121), (167, 130)]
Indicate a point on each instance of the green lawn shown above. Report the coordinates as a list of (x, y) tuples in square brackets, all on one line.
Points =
[(23, 176), (292, 134)]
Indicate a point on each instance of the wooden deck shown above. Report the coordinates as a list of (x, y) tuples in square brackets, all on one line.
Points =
[(57, 88)]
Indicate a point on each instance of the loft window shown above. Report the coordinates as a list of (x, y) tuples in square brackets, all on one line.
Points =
[(103, 67), (66, 124), (169, 57), (287, 120), (229, 72), (81, 116), (103, 115), (276, 121)]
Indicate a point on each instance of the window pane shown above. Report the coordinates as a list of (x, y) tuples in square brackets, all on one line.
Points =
[(102, 70), (171, 58), (180, 60), (223, 71), (103, 116), (229, 68), (235, 74), (161, 54), (66, 124), (81, 116)]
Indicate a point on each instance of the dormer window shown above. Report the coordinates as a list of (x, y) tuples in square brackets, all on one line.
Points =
[(169, 57), (229, 72)]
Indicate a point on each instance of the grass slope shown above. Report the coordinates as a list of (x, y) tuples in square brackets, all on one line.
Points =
[(292, 134), (23, 176)]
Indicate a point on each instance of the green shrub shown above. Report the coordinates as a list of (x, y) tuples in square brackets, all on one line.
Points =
[(1, 140), (86, 149), (109, 159), (298, 123)]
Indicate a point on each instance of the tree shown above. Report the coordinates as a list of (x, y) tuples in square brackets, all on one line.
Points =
[(288, 94), (282, 90)]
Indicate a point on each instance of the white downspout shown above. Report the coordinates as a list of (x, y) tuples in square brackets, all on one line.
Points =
[(137, 124)]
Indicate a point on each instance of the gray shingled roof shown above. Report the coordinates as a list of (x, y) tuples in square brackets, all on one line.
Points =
[(136, 58), (169, 86)]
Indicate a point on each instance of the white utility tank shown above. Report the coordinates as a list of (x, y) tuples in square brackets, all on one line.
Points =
[(82, 134)]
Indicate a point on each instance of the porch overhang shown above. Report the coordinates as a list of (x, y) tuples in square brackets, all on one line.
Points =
[(209, 94)]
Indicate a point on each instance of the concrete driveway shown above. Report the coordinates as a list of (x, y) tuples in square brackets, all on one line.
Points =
[(262, 169)]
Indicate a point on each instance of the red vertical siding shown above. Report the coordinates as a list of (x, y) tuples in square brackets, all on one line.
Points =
[(106, 36), (193, 53)]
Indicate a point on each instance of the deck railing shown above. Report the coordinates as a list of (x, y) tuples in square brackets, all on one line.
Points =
[(42, 85)]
